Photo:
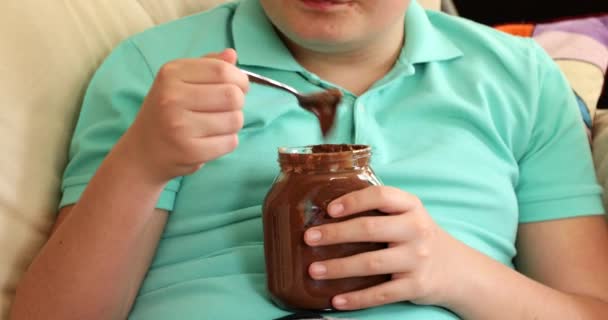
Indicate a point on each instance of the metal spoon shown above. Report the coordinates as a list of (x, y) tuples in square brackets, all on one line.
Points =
[(323, 104)]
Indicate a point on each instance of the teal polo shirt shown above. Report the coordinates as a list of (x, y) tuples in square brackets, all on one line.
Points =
[(480, 125)]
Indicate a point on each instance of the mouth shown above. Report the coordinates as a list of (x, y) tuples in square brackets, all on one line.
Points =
[(325, 5)]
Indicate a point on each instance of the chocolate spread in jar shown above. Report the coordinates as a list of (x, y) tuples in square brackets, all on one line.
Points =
[(311, 177), (324, 105)]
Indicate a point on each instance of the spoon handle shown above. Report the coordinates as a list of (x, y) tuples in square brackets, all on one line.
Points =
[(254, 77)]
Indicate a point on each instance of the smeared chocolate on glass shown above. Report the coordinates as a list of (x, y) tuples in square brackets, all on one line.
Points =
[(322, 104), (310, 178)]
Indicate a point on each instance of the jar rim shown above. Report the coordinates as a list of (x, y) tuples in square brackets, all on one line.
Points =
[(326, 149), (325, 156)]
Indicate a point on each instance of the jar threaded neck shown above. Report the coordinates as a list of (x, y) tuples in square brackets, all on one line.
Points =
[(325, 157)]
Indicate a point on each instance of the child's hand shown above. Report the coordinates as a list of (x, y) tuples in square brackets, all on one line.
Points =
[(191, 115), (420, 256)]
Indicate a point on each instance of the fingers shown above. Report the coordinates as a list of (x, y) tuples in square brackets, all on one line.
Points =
[(207, 98), (395, 228), (204, 71), (209, 148), (191, 115), (213, 124), (403, 289), (387, 261), (386, 199), (229, 55)]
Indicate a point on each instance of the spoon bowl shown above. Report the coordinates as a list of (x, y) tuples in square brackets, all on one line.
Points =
[(322, 104)]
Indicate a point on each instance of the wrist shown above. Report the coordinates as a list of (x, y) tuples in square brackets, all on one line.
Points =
[(128, 154), (469, 278), (487, 289), (464, 273), (136, 164)]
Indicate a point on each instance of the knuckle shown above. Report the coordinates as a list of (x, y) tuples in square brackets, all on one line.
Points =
[(420, 285), (167, 99), (174, 122), (383, 193), (337, 266), (246, 84), (383, 297), (423, 228), (235, 141), (189, 155), (233, 121), (370, 227), (375, 265), (416, 201), (186, 147), (232, 141), (226, 145), (356, 300), (167, 70), (351, 200), (417, 285), (330, 235), (221, 71), (238, 120), (197, 156), (234, 96), (422, 252)]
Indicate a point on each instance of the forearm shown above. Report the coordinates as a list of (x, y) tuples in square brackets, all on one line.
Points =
[(493, 291), (84, 269)]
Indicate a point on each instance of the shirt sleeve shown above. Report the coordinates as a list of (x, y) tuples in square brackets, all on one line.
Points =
[(110, 106), (557, 178)]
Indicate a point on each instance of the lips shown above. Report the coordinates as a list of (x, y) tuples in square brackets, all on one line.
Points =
[(325, 4), (329, 1)]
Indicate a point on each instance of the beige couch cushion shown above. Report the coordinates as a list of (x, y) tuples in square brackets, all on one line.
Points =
[(49, 51)]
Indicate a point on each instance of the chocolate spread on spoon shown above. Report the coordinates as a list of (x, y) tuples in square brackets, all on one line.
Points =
[(323, 105)]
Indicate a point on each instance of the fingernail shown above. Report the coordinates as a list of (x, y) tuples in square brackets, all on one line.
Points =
[(313, 235), (339, 302), (318, 269), (335, 209)]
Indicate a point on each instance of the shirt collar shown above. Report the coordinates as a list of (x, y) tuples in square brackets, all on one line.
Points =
[(424, 42), (256, 40), (258, 44)]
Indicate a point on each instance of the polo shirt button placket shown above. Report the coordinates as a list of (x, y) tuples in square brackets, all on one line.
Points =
[(313, 79), (359, 122)]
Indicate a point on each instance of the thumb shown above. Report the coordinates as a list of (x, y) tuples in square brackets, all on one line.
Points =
[(229, 55)]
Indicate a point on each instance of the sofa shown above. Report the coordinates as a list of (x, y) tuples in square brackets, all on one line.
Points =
[(49, 51)]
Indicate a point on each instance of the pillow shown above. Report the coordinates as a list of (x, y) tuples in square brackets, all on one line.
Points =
[(580, 47)]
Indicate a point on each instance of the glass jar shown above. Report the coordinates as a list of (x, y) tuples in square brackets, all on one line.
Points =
[(310, 178)]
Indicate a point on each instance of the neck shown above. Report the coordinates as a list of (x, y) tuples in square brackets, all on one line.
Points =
[(357, 69)]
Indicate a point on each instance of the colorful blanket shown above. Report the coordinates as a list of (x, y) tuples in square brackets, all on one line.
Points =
[(580, 47)]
